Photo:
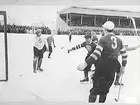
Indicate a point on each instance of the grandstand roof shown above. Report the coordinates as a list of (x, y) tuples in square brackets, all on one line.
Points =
[(95, 11)]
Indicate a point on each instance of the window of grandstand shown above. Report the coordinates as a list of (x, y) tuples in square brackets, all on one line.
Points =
[(87, 20), (137, 20), (100, 19), (124, 22), (75, 19), (63, 16)]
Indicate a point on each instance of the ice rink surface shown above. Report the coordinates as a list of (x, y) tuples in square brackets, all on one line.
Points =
[(60, 80)]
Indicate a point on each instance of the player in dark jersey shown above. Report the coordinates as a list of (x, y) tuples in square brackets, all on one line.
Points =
[(117, 78), (106, 56), (90, 46)]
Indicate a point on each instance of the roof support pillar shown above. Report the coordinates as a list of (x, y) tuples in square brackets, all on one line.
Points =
[(94, 20), (81, 19), (67, 20), (119, 21)]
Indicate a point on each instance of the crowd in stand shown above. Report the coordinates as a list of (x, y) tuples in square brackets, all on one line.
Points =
[(45, 30), (24, 29), (130, 32), (74, 32)]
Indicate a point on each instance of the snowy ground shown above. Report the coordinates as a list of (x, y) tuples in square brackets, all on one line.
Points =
[(59, 82)]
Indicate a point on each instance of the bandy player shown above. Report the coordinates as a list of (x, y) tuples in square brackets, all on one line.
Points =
[(90, 46), (50, 40), (106, 57), (70, 35), (40, 46)]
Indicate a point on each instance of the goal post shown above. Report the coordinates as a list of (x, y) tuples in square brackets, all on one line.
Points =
[(3, 47)]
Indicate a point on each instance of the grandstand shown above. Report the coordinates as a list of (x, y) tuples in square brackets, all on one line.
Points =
[(80, 19)]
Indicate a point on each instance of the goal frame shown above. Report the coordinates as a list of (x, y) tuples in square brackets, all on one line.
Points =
[(3, 13)]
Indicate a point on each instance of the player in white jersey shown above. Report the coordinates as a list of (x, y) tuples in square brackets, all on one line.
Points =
[(40, 46)]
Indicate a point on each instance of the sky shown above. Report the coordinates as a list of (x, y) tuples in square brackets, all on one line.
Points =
[(28, 15), (33, 14)]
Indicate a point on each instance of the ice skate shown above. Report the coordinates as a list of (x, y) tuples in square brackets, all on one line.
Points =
[(40, 69), (84, 80), (34, 71), (118, 83)]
